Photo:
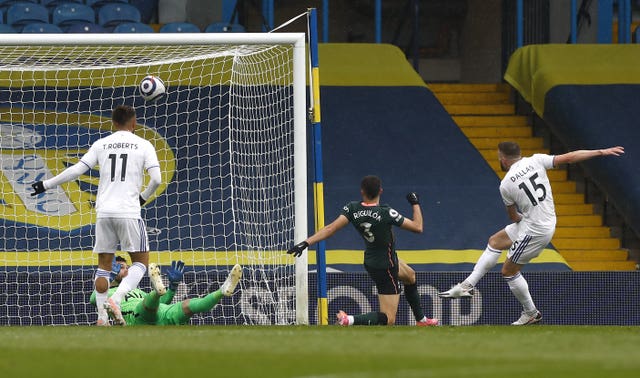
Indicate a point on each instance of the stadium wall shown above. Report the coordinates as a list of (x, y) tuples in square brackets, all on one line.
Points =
[(564, 298)]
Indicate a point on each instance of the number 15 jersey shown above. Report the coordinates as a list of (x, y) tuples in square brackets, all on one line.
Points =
[(123, 157), (527, 186)]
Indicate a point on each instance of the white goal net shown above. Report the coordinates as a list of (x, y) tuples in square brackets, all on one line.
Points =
[(230, 136)]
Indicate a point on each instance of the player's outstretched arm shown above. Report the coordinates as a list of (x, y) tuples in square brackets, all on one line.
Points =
[(324, 233), (175, 274), (582, 155), (415, 224), (67, 175)]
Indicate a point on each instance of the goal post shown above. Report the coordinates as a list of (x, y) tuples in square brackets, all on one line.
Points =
[(231, 139)]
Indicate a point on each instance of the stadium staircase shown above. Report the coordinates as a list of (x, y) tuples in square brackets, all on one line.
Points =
[(486, 115)]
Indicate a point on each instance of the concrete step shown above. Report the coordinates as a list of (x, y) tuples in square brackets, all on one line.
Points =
[(483, 98), (491, 120), (491, 153), (595, 255), (575, 209), (496, 132), (568, 198), (585, 232), (530, 143), (597, 266), (457, 87), (578, 221), (480, 109), (563, 244)]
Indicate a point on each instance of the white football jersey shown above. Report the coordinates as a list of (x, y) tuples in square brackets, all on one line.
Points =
[(527, 186), (123, 158)]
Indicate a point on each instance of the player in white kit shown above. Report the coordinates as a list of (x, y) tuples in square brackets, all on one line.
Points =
[(526, 193), (123, 157)]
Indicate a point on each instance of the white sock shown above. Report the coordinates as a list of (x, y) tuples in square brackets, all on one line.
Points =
[(130, 282), (350, 317), (487, 260), (520, 289), (102, 297)]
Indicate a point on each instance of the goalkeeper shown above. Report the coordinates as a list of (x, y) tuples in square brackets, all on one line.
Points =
[(154, 308)]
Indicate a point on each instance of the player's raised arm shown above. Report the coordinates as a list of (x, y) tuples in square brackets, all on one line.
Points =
[(582, 155), (324, 233), (415, 224), (65, 176)]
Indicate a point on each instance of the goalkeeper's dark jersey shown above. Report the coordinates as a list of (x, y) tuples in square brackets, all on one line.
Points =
[(374, 223)]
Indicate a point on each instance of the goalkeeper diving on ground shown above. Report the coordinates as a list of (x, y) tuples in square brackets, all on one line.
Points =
[(155, 308)]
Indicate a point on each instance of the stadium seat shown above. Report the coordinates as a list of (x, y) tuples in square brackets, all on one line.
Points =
[(224, 27), (21, 14), (52, 4), (4, 29), (40, 27), (67, 14), (97, 4), (133, 27), (85, 28), (5, 4), (179, 27), (636, 34), (113, 14)]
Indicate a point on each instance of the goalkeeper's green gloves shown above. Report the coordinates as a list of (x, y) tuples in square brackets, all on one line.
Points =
[(297, 249), (38, 187), (175, 274), (413, 198)]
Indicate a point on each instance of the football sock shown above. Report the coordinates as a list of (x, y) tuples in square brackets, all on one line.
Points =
[(412, 296), (130, 282), (102, 297), (487, 260), (370, 318), (205, 303), (520, 289)]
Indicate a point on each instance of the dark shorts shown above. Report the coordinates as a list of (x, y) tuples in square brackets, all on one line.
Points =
[(386, 279)]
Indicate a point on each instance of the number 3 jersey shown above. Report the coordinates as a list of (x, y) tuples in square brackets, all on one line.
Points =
[(527, 186), (123, 157), (374, 223)]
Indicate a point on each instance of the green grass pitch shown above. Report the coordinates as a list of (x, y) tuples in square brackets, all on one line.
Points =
[(314, 351)]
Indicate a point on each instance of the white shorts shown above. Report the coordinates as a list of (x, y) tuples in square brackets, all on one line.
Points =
[(525, 247), (130, 234)]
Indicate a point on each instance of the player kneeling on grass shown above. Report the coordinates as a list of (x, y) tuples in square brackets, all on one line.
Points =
[(154, 308)]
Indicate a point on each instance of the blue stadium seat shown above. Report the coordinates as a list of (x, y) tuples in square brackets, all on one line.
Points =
[(224, 27), (85, 28), (40, 27), (67, 14), (113, 14), (5, 4), (133, 27), (52, 4), (97, 4), (636, 34), (4, 29), (20, 14), (179, 27)]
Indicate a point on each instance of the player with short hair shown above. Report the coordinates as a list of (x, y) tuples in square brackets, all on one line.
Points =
[(374, 222), (526, 193), (123, 157), (155, 308)]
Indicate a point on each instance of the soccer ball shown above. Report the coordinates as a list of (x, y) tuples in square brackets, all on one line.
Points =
[(152, 88)]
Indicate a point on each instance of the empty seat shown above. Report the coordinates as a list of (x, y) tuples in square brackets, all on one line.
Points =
[(4, 29), (52, 4), (179, 27), (85, 28), (97, 4), (224, 27), (21, 14), (113, 14), (40, 27), (5, 4), (68, 14), (133, 27)]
